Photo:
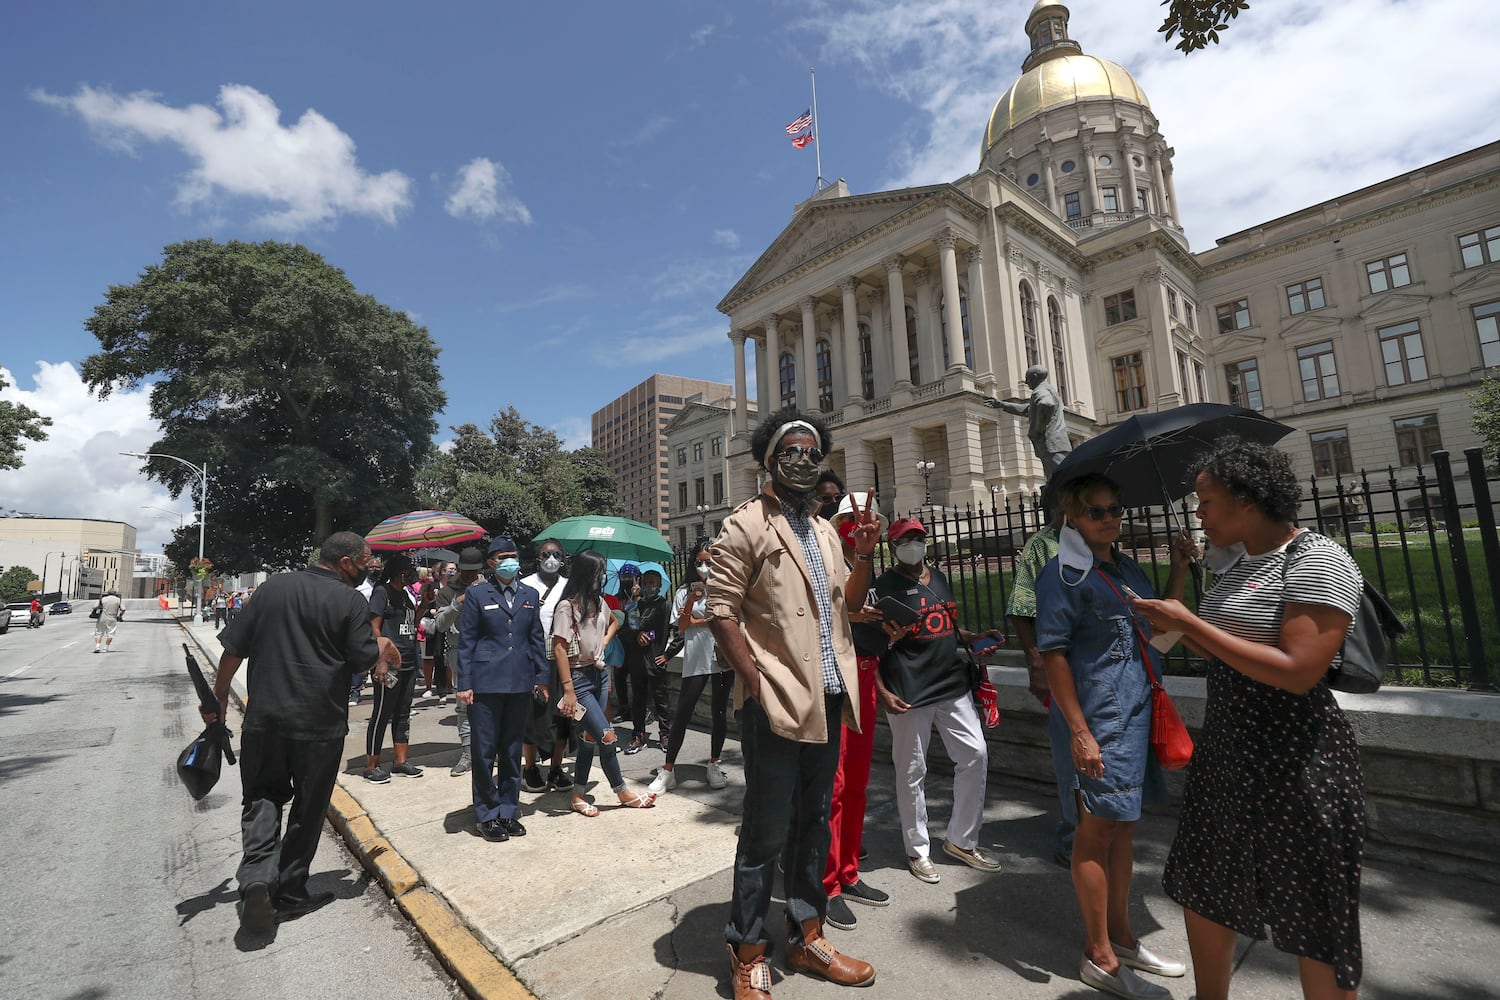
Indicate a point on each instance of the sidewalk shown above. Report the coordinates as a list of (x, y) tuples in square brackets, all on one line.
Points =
[(633, 904)]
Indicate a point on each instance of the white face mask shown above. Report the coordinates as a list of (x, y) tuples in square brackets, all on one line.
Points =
[(911, 553), (551, 563), (1073, 553), (1216, 559), (705, 570)]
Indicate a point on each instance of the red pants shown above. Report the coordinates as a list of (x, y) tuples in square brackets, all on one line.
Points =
[(846, 819)]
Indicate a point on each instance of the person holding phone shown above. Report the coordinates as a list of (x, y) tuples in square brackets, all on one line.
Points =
[(923, 683), (394, 613)]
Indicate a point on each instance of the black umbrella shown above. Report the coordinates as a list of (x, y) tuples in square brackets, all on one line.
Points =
[(1150, 454), (200, 761)]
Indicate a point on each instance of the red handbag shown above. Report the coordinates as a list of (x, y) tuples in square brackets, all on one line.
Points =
[(1170, 740)]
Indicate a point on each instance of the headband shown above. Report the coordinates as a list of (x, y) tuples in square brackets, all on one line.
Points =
[(782, 431)]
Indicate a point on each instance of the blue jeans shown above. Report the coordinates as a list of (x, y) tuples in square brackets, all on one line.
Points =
[(591, 688)]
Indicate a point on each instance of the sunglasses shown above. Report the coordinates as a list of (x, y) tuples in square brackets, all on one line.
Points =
[(796, 451), (1104, 513)]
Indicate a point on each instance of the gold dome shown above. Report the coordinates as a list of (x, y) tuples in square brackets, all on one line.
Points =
[(1062, 79)]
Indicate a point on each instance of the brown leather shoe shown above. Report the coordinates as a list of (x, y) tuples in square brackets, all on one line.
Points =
[(752, 977), (817, 956)]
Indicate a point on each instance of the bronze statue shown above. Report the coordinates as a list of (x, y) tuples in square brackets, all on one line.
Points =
[(1046, 426)]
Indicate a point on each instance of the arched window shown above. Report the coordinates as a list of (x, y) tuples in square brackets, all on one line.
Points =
[(963, 322), (1059, 356), (1028, 326), (913, 359), (787, 367), (866, 362), (825, 375)]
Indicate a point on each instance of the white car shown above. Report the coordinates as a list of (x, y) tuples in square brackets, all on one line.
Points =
[(20, 613)]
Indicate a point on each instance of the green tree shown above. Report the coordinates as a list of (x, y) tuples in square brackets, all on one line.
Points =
[(312, 403), (18, 421), (13, 583), (1199, 22), (516, 478), (1486, 403)]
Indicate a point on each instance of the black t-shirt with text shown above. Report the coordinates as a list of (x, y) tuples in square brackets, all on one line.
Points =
[(398, 621), (923, 668)]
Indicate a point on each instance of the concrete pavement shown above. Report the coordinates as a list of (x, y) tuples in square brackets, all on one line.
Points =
[(632, 903)]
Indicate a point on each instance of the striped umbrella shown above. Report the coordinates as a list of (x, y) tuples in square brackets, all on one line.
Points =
[(423, 529)]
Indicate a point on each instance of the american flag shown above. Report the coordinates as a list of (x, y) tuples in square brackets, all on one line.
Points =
[(802, 122), (802, 140)]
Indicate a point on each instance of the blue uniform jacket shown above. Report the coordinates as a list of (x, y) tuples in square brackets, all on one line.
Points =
[(500, 650)]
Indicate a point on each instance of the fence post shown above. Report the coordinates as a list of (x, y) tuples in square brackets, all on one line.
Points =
[(1484, 510), (1463, 583)]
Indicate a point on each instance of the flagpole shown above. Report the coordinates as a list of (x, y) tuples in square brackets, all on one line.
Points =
[(817, 135)]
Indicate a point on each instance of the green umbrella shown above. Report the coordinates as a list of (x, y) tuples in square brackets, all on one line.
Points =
[(611, 537)]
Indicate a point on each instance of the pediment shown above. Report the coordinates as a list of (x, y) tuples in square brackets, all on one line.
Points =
[(1187, 334), (1484, 279), (1122, 334), (1309, 324), (820, 227), (1388, 305), (1240, 341)]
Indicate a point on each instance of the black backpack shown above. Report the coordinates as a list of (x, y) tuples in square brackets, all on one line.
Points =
[(1367, 649)]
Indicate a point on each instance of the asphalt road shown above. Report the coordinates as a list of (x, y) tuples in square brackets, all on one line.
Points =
[(115, 883)]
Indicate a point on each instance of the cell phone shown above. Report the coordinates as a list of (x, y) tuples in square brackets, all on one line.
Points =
[(897, 612), (1129, 593), (540, 696), (579, 712)]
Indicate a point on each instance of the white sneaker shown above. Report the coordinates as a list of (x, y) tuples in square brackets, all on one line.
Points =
[(1123, 983), (1145, 960), (427, 693), (716, 776), (663, 782)]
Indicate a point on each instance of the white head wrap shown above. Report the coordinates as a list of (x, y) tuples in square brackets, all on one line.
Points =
[(783, 431)]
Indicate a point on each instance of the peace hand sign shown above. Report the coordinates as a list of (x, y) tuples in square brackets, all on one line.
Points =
[(866, 526)]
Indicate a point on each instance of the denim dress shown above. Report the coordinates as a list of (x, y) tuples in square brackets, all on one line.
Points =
[(1095, 628)]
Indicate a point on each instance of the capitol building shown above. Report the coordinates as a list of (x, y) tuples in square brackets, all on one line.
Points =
[(1363, 321)]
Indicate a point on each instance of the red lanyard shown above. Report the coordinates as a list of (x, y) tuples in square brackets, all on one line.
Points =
[(1139, 633)]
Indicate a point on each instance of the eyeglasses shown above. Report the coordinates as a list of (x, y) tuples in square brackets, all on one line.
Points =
[(796, 451), (1104, 513), (703, 564)]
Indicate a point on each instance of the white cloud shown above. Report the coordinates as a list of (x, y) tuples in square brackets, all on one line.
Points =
[(79, 471), (701, 35), (1297, 105), (727, 238), (696, 276), (575, 432), (307, 169), (650, 129), (650, 348), (483, 193)]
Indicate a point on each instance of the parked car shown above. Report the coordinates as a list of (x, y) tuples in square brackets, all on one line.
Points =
[(60, 608), (20, 612)]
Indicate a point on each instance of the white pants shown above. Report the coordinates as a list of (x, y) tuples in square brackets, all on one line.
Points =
[(963, 737)]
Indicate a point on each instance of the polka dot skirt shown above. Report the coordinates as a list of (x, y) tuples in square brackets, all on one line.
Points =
[(1273, 823)]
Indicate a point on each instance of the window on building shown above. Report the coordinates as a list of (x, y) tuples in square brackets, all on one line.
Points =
[(1233, 315), (682, 495), (1172, 302), (697, 451), (1388, 272), (1119, 307), (718, 526), (1200, 379), (682, 542), (1130, 382), (824, 354), (718, 487), (1417, 438), (963, 322), (1243, 378), (1110, 198), (913, 356), (1482, 247), (1330, 451), (1402, 353), (716, 445), (1487, 324), (1188, 315), (1319, 372), (787, 370), (1073, 205), (1185, 377), (1028, 326), (700, 495), (682, 455), (1143, 198), (866, 363), (1059, 354), (1305, 295)]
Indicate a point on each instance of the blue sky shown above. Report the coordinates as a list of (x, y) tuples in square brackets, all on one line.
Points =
[(562, 194)]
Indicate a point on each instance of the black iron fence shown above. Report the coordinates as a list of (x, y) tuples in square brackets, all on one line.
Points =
[(1429, 543)]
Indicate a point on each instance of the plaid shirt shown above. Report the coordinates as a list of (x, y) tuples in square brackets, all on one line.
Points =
[(801, 525)]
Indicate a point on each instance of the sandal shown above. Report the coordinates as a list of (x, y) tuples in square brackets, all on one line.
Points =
[(585, 808), (637, 801)]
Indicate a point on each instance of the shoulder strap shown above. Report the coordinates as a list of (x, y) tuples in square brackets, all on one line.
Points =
[(550, 587), (1140, 635)]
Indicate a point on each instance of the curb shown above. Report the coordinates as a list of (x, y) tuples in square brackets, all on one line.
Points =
[(481, 974)]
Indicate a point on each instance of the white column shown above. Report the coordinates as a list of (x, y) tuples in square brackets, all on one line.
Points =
[(850, 311), (900, 360), (807, 368), (1051, 185), (978, 316), (1093, 188), (762, 378), (741, 399), (947, 240), (1128, 168), (929, 351), (1160, 192), (1171, 190), (772, 323)]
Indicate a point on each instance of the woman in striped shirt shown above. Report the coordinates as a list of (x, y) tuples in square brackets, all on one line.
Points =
[(1272, 826)]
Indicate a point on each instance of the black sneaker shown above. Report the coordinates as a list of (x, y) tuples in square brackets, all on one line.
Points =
[(531, 780), (863, 892), (406, 770), (558, 781), (377, 775), (636, 744), (839, 914)]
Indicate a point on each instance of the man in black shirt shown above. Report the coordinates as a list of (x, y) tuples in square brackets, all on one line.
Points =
[(645, 640), (308, 633)]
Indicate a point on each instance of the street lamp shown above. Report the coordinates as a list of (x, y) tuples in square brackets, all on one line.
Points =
[(202, 472), (177, 514), (925, 468), (45, 559)]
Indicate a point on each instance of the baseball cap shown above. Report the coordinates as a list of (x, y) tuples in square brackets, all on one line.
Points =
[(470, 559), (853, 502), (502, 544), (905, 526), (628, 569)]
